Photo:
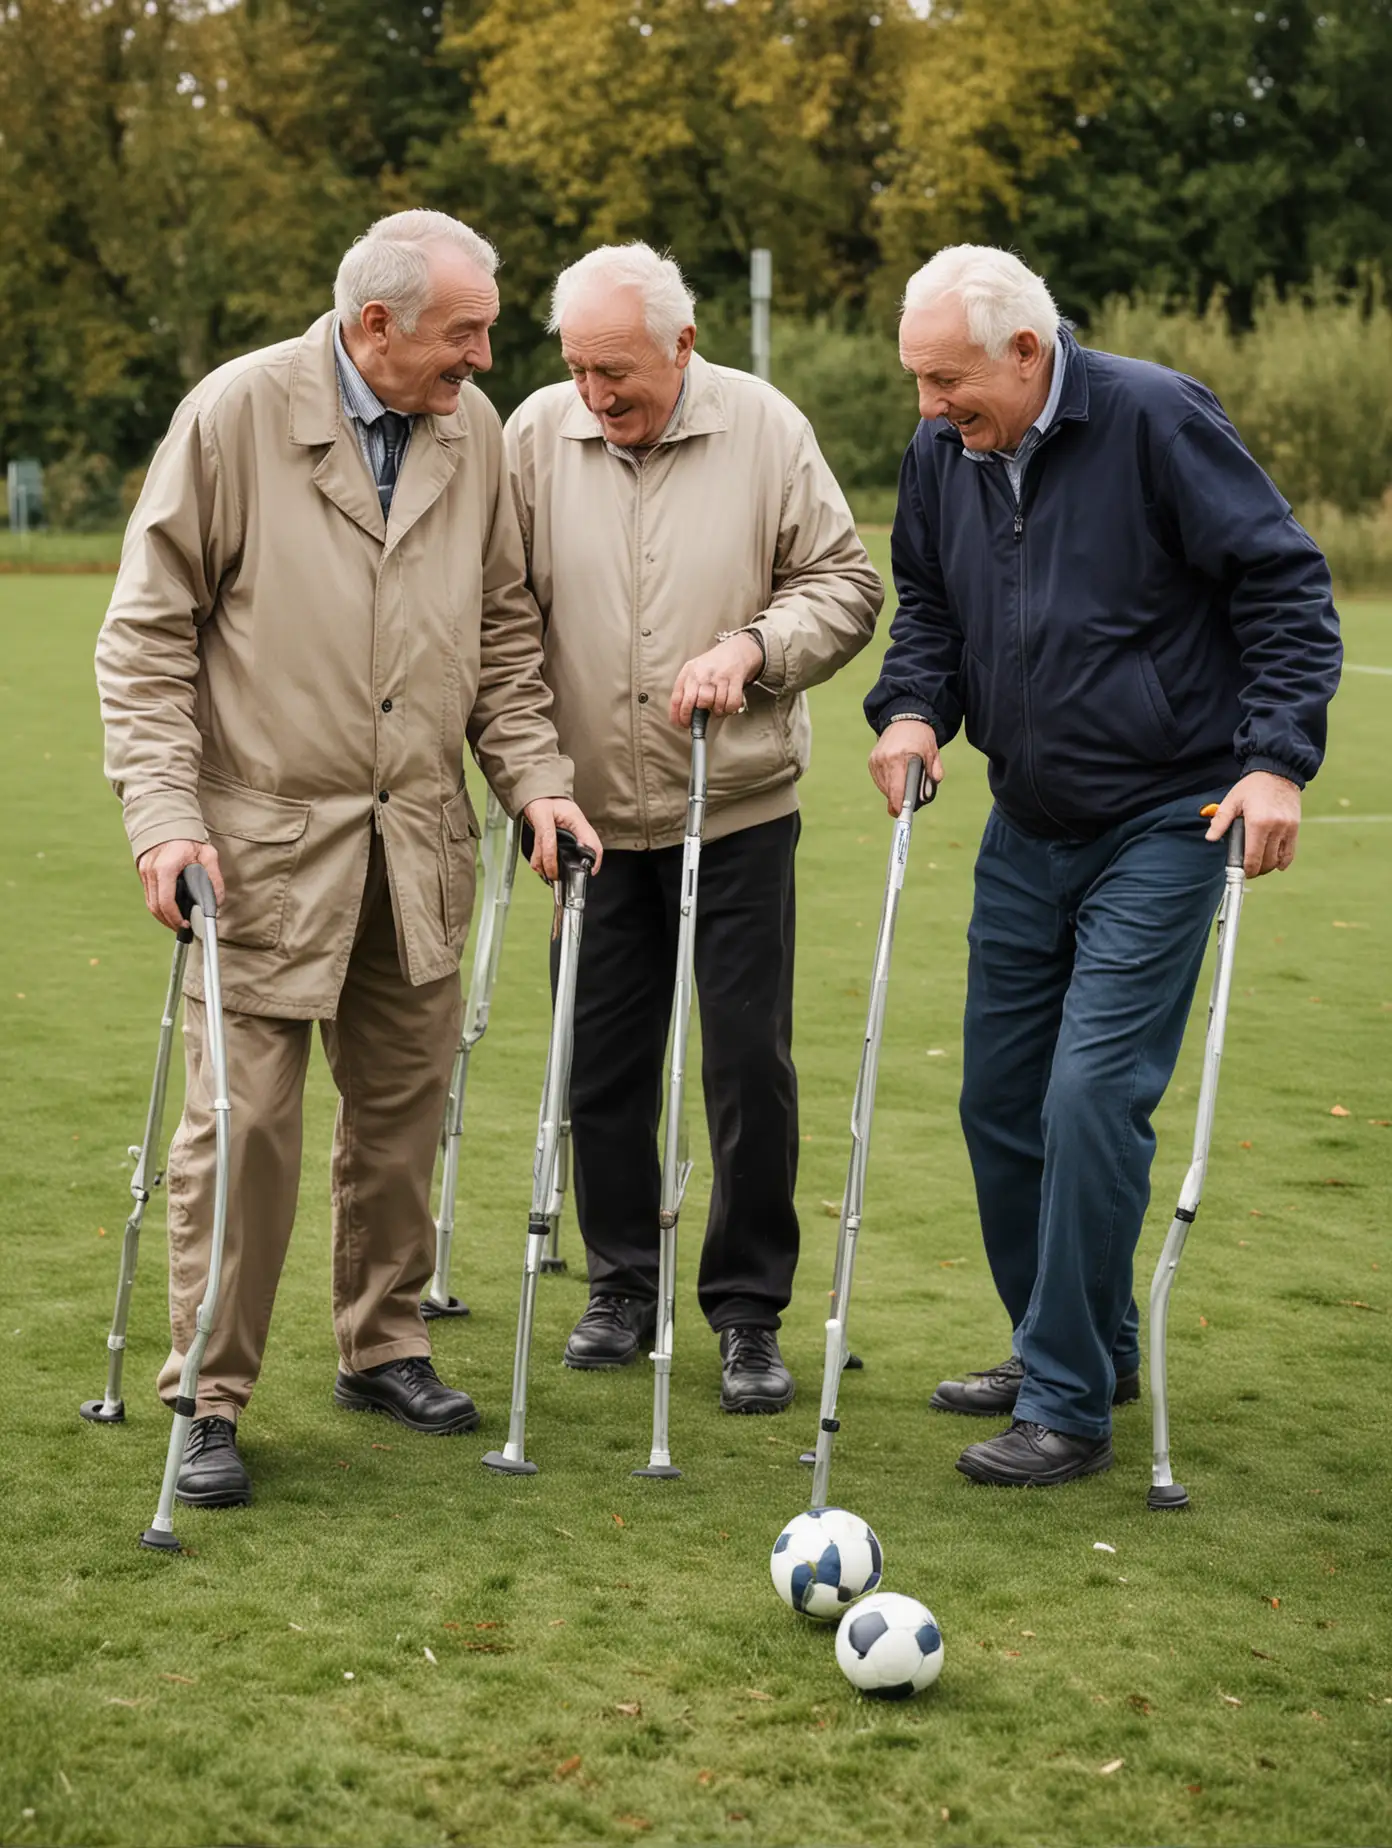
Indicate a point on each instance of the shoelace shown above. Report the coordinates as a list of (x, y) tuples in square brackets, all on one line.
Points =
[(419, 1370), (1012, 1369), (211, 1434), (606, 1312), (751, 1350)]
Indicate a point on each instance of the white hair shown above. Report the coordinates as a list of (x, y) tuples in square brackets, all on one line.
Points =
[(390, 263), (1000, 295), (668, 305)]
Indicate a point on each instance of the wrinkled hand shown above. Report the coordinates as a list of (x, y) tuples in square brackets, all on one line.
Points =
[(889, 761), (1270, 810), (547, 814), (716, 679), (159, 869)]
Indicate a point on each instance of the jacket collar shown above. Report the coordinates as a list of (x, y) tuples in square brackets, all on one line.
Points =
[(702, 410), (317, 418), (1072, 405)]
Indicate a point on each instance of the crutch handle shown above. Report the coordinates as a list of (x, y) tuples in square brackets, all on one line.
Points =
[(699, 720), (1236, 836), (195, 887), (569, 853)]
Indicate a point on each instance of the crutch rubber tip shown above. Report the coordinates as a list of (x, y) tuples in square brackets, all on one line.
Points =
[(505, 1466), (809, 1457), (853, 1364), (1168, 1495), (95, 1412), (160, 1543), (553, 1267), (431, 1311), (659, 1472)]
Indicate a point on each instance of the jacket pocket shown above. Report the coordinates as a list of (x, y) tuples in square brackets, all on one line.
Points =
[(459, 834), (1166, 730), (259, 839)]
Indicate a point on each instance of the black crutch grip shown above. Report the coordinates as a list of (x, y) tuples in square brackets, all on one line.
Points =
[(569, 852), (1237, 842), (195, 887), (699, 719), (923, 787)]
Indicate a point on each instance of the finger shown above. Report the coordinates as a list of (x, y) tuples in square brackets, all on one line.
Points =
[(208, 857), (1222, 820), (167, 873), (1254, 858), (1286, 852)]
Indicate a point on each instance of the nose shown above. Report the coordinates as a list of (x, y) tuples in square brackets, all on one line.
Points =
[(601, 395), (479, 352), (931, 404)]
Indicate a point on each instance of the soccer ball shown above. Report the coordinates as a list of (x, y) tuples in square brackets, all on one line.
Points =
[(824, 1559), (890, 1647)]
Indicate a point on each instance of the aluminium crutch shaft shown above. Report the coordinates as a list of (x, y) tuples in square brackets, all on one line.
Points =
[(499, 873), (198, 903), (916, 789), (676, 1163), (575, 862), (1165, 1492)]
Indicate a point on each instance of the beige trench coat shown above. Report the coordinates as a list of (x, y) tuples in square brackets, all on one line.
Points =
[(280, 672), (733, 520)]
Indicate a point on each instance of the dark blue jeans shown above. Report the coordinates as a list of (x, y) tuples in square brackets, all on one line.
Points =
[(1084, 957)]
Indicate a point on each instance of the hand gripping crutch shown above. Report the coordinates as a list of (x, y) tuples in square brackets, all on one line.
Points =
[(676, 1163), (575, 863), (147, 1177), (916, 790), (499, 872), (198, 904), (1165, 1492)]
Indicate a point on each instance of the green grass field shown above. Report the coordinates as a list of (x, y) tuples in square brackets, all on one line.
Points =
[(392, 1646)]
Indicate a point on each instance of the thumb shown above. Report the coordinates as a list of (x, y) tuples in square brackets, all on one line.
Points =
[(1222, 815)]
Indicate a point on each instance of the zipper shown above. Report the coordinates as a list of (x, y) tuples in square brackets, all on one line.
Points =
[(1025, 705), (635, 655)]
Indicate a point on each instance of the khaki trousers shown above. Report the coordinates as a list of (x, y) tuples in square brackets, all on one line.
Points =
[(390, 1050)]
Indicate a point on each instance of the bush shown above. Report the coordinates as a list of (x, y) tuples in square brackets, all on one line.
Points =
[(81, 492), (1357, 545)]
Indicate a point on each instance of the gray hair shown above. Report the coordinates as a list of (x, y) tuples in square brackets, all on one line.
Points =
[(668, 305), (390, 263), (1000, 295)]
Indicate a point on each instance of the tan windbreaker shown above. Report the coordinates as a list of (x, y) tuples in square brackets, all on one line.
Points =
[(280, 671), (734, 519)]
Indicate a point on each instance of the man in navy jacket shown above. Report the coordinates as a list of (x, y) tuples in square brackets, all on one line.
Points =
[(1099, 581)]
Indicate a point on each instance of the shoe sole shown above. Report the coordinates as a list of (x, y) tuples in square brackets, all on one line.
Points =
[(215, 1498), (350, 1402), (1070, 1473), (599, 1366), (756, 1407)]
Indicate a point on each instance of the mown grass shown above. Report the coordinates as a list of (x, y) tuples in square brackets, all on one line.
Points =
[(611, 1663)]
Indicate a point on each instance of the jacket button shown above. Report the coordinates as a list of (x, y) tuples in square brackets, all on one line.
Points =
[(386, 705), (645, 631), (642, 699), (384, 795)]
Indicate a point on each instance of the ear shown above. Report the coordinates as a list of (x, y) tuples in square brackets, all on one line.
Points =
[(376, 323), (1026, 347), (686, 343)]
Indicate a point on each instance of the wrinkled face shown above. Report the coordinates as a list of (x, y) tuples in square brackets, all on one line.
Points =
[(992, 402), (628, 382), (424, 369)]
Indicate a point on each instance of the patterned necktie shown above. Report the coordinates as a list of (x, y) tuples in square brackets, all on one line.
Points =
[(395, 429)]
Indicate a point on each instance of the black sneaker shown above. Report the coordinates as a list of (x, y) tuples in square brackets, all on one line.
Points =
[(1034, 1456), (411, 1392), (992, 1394), (754, 1378), (212, 1475), (611, 1332)]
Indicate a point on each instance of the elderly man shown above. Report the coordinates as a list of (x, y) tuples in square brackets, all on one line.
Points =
[(1096, 577), (322, 597), (688, 547)]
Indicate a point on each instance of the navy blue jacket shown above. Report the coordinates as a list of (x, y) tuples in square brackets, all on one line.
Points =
[(1149, 622)]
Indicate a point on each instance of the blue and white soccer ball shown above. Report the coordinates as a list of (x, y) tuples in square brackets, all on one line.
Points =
[(823, 1560), (890, 1647)]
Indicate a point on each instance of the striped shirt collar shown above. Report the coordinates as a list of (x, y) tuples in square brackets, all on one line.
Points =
[(1025, 447)]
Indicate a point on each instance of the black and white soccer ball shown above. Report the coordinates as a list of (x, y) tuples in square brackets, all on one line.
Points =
[(825, 1559), (890, 1647)]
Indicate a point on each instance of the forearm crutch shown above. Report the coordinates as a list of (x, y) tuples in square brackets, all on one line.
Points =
[(147, 1177), (575, 863), (198, 904), (916, 790), (676, 1163), (499, 872), (1165, 1492)]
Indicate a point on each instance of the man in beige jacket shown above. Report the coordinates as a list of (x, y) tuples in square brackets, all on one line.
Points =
[(688, 546), (321, 599)]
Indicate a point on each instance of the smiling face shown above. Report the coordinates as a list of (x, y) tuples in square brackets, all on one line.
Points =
[(628, 382), (423, 370), (990, 402)]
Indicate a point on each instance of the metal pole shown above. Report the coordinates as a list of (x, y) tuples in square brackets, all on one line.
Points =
[(760, 297)]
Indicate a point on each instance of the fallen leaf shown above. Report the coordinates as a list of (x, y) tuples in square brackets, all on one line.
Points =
[(757, 1694), (1380, 1122), (114, 1700), (1203, 1321), (449, 1626), (832, 1208), (567, 1766), (299, 1627), (630, 1707), (1244, 1145), (1230, 1700), (1352, 1302), (490, 1624), (431, 1657), (1338, 1110), (384, 1446), (1140, 1703), (1195, 1790), (703, 1777), (101, 1231), (348, 1675), (565, 1533), (735, 1816), (1112, 1764), (1027, 1632), (945, 1815), (343, 1464), (947, 1263), (1100, 1546), (1275, 1603), (937, 1052), (92, 961), (634, 1822), (618, 1520), (1262, 1656), (184, 1681), (1010, 1652), (1315, 1715), (557, 1623)]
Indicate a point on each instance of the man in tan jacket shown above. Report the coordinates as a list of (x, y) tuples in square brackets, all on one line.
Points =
[(688, 546), (321, 599)]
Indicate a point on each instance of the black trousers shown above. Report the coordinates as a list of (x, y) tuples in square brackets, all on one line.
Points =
[(744, 982)]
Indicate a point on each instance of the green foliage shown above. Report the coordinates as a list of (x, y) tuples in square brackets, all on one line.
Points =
[(858, 396)]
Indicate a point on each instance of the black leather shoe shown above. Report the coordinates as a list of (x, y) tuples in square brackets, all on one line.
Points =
[(611, 1332), (1032, 1456), (212, 1475), (993, 1394), (411, 1392), (754, 1378)]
